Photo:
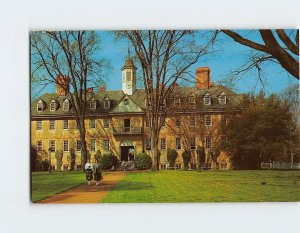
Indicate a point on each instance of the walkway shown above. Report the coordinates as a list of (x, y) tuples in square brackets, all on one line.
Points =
[(87, 193)]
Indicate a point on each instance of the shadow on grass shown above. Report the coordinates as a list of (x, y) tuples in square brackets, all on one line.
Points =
[(125, 185)]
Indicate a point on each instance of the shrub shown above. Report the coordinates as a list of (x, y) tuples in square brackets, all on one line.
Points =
[(186, 156), (33, 158), (98, 156), (201, 155), (45, 165), (171, 157), (143, 161), (214, 154), (58, 156), (108, 160)]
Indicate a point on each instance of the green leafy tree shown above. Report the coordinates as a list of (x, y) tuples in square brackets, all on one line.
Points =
[(171, 157), (262, 126)]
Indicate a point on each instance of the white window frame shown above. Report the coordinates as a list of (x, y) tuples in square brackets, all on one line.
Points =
[(65, 145), (93, 104), (106, 145), (52, 145), (92, 124), (207, 100), (222, 99), (148, 143), (65, 128), (163, 143), (93, 145), (105, 123), (52, 106), (39, 145), (206, 121), (178, 143), (208, 142), (66, 105), (40, 106), (107, 104), (39, 125), (52, 124), (192, 120), (193, 143)]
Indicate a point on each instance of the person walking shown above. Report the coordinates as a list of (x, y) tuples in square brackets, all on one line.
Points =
[(88, 172), (97, 172)]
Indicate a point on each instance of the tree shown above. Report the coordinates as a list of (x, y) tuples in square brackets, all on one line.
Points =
[(264, 126), (165, 57), (186, 156), (58, 157), (280, 46), (33, 158), (171, 157), (71, 54)]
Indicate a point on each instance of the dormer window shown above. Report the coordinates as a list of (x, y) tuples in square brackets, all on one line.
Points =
[(192, 100), (52, 105), (40, 106), (126, 101), (106, 104), (222, 99), (207, 100), (177, 101), (66, 105), (93, 104)]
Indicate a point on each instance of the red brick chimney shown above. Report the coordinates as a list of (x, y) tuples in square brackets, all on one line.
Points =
[(203, 78), (62, 85)]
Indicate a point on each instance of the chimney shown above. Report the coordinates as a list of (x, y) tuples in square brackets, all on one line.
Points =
[(62, 85), (203, 78)]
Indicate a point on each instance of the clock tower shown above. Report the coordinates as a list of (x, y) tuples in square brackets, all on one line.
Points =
[(129, 77)]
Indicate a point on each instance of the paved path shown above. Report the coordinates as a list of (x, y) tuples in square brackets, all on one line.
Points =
[(87, 193)]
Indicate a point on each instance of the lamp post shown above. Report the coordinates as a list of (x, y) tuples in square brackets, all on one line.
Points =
[(49, 152)]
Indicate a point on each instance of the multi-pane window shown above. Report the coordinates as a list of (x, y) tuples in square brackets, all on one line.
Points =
[(148, 143), (106, 144), (207, 120), (178, 144), (163, 144), (52, 105), (52, 124), (222, 99), (106, 104), (177, 121), (92, 124), (93, 104), (193, 143), (106, 123), (65, 124), (66, 145), (207, 100), (39, 146), (223, 120), (78, 145), (40, 106), (93, 145), (192, 120), (52, 145), (66, 105), (208, 142), (39, 125)]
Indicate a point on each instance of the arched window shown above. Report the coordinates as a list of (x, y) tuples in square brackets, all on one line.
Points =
[(66, 105), (40, 106)]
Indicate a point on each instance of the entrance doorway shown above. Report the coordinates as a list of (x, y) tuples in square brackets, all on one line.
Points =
[(125, 150)]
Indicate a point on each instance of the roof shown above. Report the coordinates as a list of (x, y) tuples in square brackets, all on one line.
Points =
[(137, 101)]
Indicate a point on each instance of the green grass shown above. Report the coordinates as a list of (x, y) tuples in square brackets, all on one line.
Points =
[(45, 185), (207, 186)]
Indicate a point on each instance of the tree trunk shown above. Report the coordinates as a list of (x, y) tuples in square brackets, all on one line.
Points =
[(154, 147), (83, 145)]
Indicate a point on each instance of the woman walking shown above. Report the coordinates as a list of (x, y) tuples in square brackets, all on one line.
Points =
[(97, 174), (88, 172)]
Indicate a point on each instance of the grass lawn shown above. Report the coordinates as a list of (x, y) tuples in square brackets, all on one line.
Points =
[(207, 186), (45, 185)]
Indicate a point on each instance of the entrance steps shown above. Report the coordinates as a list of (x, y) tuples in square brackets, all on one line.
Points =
[(126, 165)]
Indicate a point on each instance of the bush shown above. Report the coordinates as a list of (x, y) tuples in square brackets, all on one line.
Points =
[(201, 155), (45, 165), (108, 160), (186, 156), (98, 156), (33, 158), (143, 161), (58, 156), (171, 157)]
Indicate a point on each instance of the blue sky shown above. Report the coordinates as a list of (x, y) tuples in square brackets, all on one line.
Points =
[(228, 56)]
